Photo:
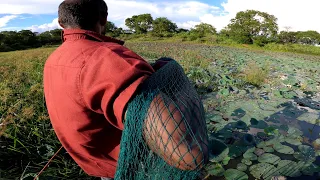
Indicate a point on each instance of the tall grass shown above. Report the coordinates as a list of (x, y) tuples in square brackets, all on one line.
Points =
[(27, 140), (297, 48)]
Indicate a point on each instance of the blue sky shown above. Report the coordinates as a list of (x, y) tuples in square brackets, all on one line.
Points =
[(41, 15)]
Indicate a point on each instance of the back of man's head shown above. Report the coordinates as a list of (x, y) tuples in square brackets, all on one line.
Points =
[(83, 14)]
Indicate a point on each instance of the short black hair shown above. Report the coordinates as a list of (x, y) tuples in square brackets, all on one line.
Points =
[(83, 14)]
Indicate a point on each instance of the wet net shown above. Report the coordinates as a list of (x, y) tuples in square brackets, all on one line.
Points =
[(165, 135)]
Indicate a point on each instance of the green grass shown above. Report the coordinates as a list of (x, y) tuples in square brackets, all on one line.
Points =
[(219, 41), (27, 140)]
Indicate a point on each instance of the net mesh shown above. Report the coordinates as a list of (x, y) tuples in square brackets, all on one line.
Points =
[(165, 135)]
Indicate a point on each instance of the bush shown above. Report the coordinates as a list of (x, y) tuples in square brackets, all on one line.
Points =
[(255, 75)]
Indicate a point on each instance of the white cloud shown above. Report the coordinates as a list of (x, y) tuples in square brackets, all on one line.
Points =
[(29, 6), (5, 19), (297, 14), (45, 27)]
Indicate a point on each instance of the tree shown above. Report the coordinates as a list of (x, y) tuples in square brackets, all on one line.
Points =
[(110, 27), (204, 29), (287, 37), (182, 30), (140, 23), (112, 30), (308, 37), (249, 26), (164, 25)]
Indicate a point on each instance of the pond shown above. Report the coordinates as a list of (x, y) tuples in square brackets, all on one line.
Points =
[(261, 138)]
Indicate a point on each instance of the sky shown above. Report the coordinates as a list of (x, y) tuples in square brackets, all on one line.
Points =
[(41, 15)]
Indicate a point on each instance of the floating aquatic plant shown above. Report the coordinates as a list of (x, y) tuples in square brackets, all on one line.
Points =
[(269, 158), (234, 174), (263, 170), (283, 149), (219, 150), (242, 167), (215, 169), (305, 154)]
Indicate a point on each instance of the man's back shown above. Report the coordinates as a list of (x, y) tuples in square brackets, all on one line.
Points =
[(88, 82)]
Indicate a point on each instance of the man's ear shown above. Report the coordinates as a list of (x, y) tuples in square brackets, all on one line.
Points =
[(59, 21)]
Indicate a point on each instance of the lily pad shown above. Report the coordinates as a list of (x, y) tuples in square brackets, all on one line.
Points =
[(239, 113), (271, 142), (233, 174), (284, 127), (236, 151), (249, 154), (261, 145), (269, 158), (305, 154), (271, 131), (215, 169), (283, 149), (254, 121), (264, 170), (219, 150), (268, 149), (310, 170), (260, 125), (226, 160), (248, 140), (289, 168), (240, 125), (242, 167), (316, 143), (246, 162), (293, 141), (294, 132), (259, 152), (288, 94), (309, 117), (224, 92), (214, 118)]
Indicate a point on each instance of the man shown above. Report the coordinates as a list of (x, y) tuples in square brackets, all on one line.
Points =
[(88, 82)]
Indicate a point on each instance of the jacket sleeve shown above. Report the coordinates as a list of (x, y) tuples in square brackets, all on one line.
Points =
[(110, 79)]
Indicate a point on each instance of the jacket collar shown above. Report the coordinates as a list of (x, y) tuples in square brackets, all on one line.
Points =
[(73, 34)]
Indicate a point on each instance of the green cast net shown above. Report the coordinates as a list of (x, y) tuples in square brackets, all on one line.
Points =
[(165, 135)]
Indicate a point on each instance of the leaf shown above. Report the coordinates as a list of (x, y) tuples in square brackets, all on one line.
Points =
[(242, 167), (215, 169), (283, 149), (269, 158), (271, 131), (305, 154), (289, 168), (310, 169), (293, 141), (219, 150), (261, 145), (268, 149), (294, 132), (236, 151), (264, 170), (226, 160), (246, 161), (240, 125), (233, 174), (224, 92), (250, 155), (248, 140), (309, 117), (254, 121), (214, 118), (239, 113)]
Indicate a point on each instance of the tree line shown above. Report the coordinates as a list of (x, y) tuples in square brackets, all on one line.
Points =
[(248, 27)]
